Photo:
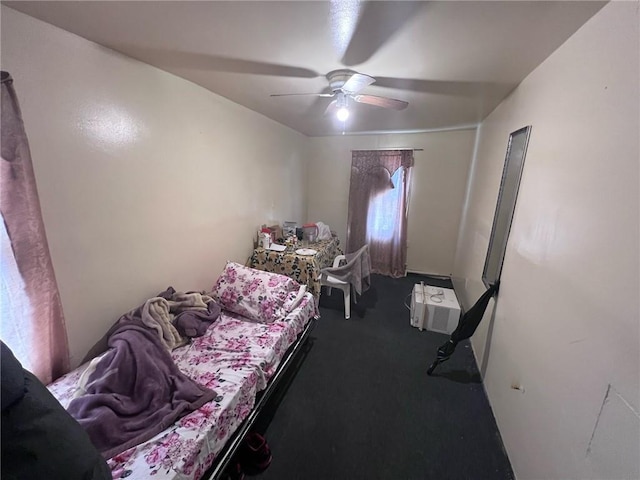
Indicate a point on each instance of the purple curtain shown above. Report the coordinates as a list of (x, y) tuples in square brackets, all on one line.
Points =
[(378, 208), (32, 319)]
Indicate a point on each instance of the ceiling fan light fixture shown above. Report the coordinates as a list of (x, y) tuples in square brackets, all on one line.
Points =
[(342, 103)]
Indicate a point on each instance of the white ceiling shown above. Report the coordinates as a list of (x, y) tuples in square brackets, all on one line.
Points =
[(453, 61)]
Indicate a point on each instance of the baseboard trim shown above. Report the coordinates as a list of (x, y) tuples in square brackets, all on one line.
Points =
[(434, 275)]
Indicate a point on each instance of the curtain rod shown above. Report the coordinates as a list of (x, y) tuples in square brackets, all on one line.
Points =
[(388, 148)]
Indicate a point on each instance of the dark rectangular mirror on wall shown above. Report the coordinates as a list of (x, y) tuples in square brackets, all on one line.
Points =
[(511, 173)]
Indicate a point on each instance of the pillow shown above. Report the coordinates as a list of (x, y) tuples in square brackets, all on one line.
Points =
[(260, 296)]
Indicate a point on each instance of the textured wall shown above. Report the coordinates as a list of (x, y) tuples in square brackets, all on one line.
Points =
[(566, 324), (436, 194), (146, 180)]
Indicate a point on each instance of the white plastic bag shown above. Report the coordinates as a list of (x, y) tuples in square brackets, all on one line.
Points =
[(324, 232)]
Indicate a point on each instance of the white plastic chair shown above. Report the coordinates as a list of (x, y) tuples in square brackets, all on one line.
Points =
[(330, 282), (334, 277)]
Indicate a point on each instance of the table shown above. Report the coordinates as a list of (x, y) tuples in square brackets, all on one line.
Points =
[(305, 269)]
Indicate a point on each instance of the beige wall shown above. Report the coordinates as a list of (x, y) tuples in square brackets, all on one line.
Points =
[(437, 189), (148, 180), (145, 180), (565, 327)]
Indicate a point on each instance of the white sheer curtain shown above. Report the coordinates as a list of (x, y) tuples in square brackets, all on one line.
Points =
[(384, 215), (14, 305)]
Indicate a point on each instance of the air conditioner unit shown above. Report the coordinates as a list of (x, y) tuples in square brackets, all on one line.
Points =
[(434, 308)]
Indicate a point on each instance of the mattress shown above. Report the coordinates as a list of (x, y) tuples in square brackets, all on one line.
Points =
[(236, 358)]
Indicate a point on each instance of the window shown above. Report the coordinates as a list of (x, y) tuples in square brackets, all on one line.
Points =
[(384, 211), (32, 322), (378, 208), (15, 306)]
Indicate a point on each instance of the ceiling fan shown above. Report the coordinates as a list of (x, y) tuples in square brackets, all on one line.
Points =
[(346, 86)]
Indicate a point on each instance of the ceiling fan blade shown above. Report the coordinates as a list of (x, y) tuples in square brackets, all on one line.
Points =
[(328, 95), (356, 83), (180, 59), (378, 23), (445, 87), (332, 108), (383, 102)]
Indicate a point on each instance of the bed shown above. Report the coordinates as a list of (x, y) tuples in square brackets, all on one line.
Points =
[(240, 359)]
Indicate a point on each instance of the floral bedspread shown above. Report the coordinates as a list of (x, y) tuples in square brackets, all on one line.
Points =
[(236, 358), (305, 269)]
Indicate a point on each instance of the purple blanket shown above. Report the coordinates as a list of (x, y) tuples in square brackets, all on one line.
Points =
[(135, 392), (194, 323)]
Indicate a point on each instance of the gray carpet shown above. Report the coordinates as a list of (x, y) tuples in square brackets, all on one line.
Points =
[(361, 406)]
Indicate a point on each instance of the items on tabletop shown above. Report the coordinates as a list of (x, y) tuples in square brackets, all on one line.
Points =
[(299, 252)]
